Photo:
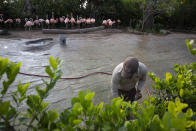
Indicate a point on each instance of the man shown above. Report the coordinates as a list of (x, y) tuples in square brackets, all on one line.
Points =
[(128, 79), (62, 39)]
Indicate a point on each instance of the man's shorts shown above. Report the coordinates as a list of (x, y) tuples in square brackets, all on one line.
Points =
[(127, 95)]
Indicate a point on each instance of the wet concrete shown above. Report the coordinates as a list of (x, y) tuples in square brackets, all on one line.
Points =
[(99, 51)]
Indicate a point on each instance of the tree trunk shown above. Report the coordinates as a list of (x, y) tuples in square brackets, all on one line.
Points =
[(148, 21), (28, 8)]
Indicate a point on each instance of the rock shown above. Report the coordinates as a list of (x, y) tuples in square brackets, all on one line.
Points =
[(3, 32), (165, 32)]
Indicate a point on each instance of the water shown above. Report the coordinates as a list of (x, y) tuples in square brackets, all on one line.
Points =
[(87, 53)]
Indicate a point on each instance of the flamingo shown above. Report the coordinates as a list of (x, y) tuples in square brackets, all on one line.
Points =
[(47, 21), (37, 23), (29, 23), (9, 21), (78, 22), (52, 21), (56, 21), (83, 20), (41, 21), (18, 20), (1, 21), (66, 20), (108, 20), (1, 18), (118, 21), (92, 20), (104, 23), (111, 23), (62, 19), (72, 20), (88, 21)]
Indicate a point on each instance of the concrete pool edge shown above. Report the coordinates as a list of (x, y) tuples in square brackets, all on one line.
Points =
[(64, 31)]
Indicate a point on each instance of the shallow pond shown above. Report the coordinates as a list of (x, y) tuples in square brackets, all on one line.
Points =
[(92, 52)]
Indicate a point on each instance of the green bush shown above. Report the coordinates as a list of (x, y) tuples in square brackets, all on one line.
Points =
[(83, 115), (182, 84)]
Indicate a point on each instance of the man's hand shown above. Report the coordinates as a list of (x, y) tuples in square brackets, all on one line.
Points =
[(138, 95)]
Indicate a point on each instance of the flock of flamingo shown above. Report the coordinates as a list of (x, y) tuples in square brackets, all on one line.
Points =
[(63, 21)]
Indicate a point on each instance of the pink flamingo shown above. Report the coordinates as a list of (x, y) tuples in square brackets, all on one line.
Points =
[(52, 21), (104, 23), (72, 20), (88, 21), (29, 23), (61, 19), (92, 21), (1, 19), (41, 21), (9, 22), (83, 21), (78, 22), (56, 21), (118, 21), (1, 16), (66, 21), (108, 20), (47, 21), (111, 23), (36, 22), (18, 20)]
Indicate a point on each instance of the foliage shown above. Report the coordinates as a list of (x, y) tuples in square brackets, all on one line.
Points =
[(37, 112), (84, 115), (168, 13), (181, 84), (189, 45)]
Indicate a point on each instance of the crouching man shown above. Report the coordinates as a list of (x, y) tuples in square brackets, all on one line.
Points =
[(128, 78)]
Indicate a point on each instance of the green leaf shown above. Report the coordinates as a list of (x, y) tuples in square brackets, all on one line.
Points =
[(53, 115), (4, 107), (33, 101), (3, 65), (171, 107), (188, 44), (49, 72), (181, 92), (168, 76), (23, 89), (77, 122), (155, 124), (41, 92), (89, 96), (189, 113), (77, 109), (189, 124), (11, 113), (53, 63)]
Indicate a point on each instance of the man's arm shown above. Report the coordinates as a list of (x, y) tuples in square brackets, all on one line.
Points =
[(115, 84), (142, 80)]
